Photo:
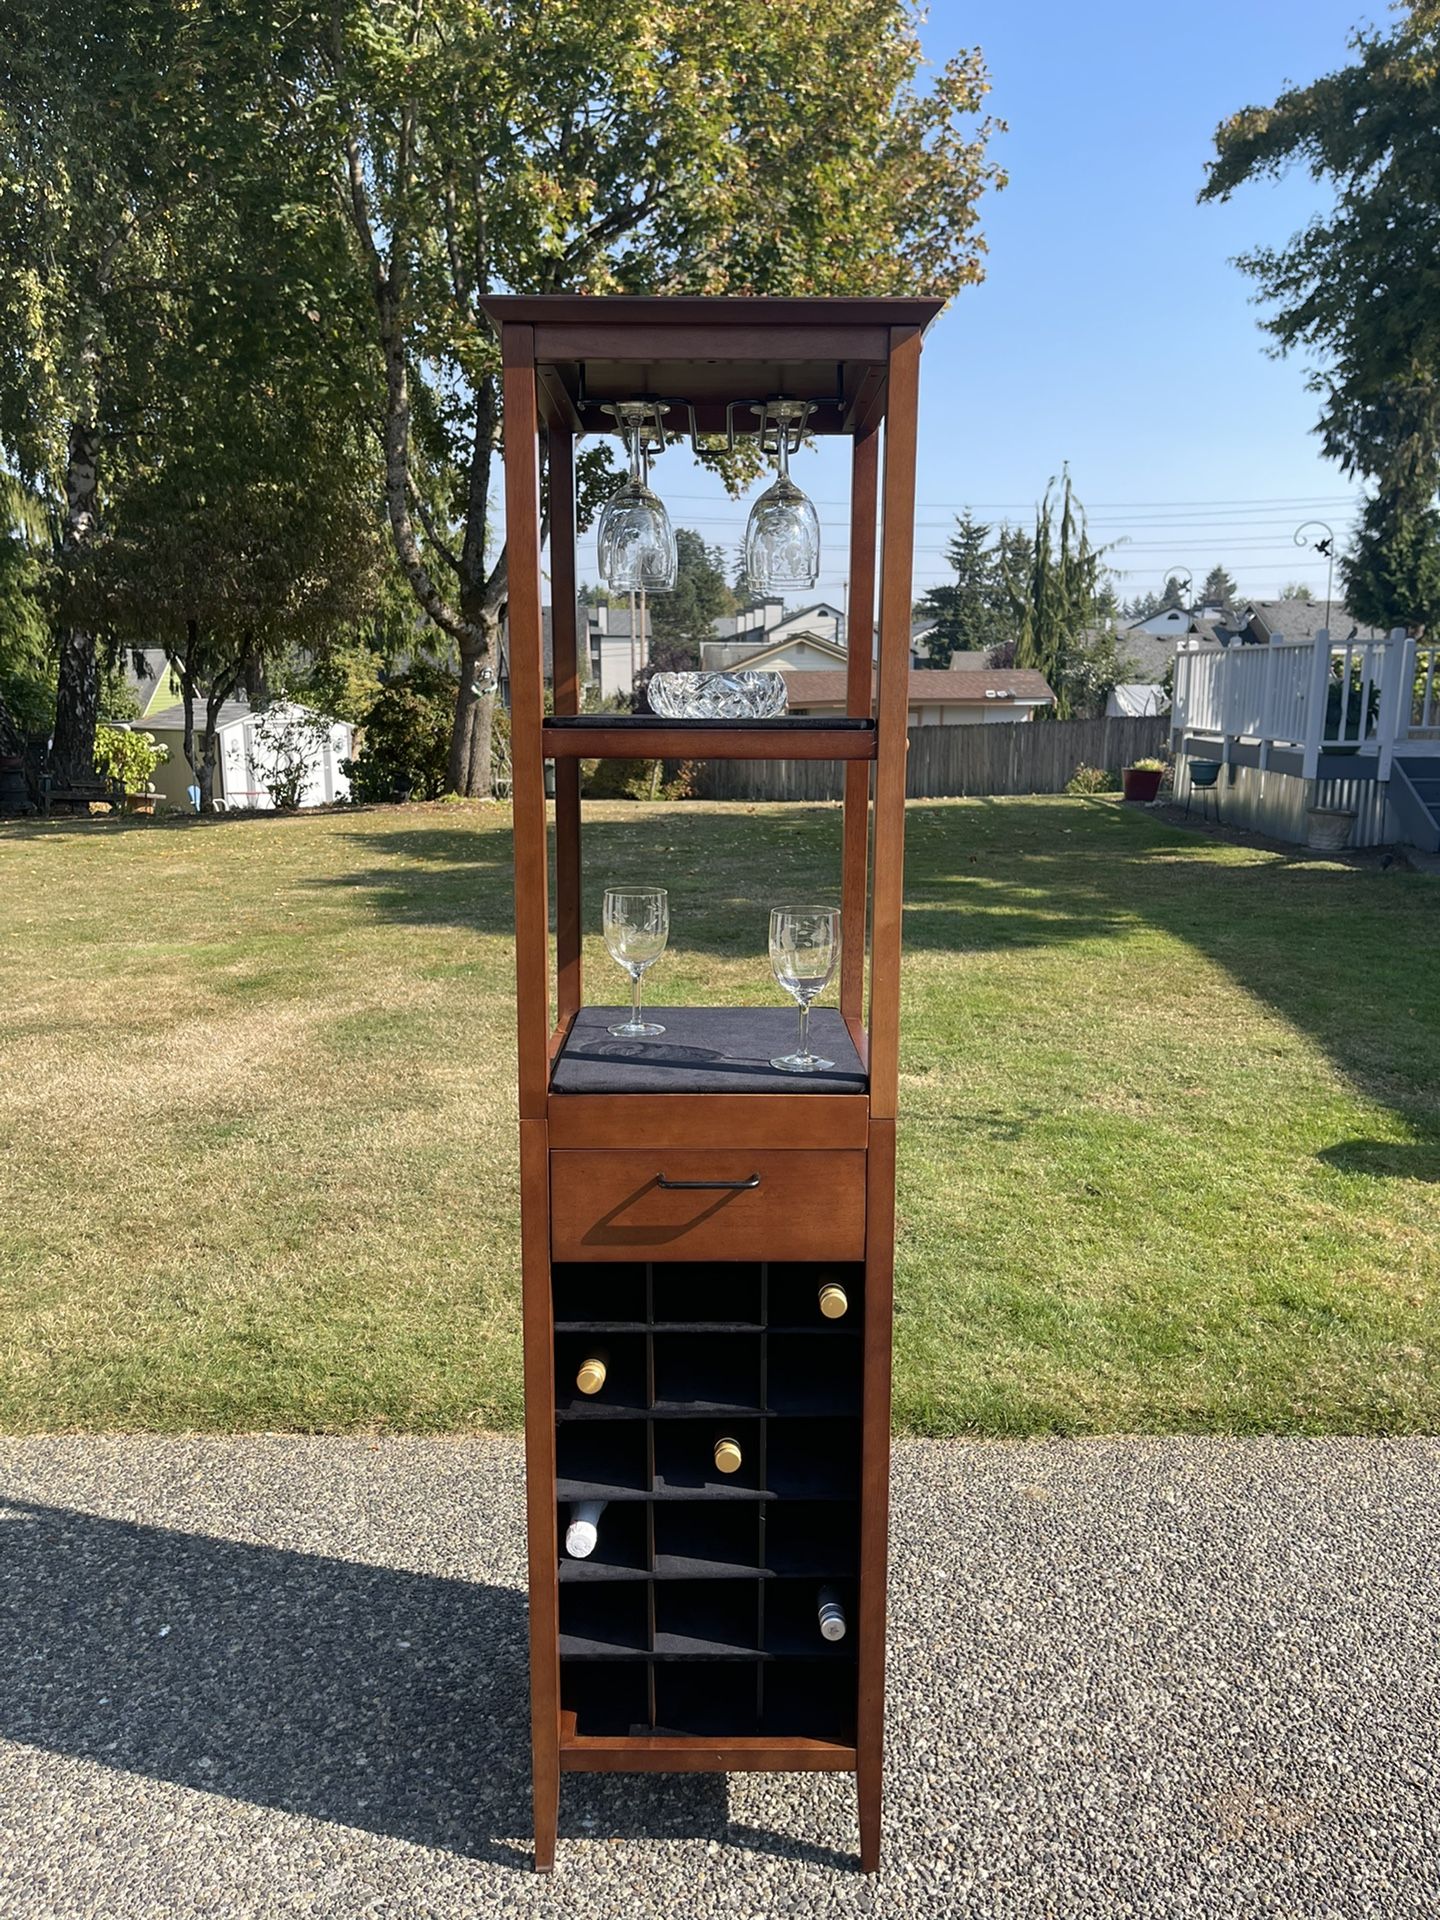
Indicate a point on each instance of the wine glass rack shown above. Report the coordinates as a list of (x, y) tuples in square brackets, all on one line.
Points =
[(707, 1448)]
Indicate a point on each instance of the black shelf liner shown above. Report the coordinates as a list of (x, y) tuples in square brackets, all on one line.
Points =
[(705, 1050), (652, 722)]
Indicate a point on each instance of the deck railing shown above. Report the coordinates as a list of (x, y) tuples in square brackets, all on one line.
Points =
[(1312, 696)]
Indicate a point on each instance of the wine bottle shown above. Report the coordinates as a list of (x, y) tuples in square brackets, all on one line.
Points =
[(727, 1454), (831, 1615), (834, 1301), (584, 1529), (591, 1376)]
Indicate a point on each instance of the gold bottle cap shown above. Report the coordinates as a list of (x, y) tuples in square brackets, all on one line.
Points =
[(727, 1455), (834, 1301), (591, 1376)]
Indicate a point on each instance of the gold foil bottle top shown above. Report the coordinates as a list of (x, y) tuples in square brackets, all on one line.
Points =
[(727, 1455), (834, 1301), (591, 1376)]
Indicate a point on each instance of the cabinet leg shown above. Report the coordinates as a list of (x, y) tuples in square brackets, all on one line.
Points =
[(868, 1791), (547, 1815)]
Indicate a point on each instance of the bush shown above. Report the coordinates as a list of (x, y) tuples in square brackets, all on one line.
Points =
[(127, 757), (405, 743), (290, 738), (1092, 780)]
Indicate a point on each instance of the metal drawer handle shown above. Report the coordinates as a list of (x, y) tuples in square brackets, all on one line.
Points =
[(693, 1186)]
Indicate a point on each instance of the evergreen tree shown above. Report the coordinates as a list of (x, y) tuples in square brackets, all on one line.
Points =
[(1219, 589), (965, 612), (1065, 580), (686, 615), (1173, 599), (1392, 573)]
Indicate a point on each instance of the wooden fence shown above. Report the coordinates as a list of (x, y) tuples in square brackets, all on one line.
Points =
[(999, 757)]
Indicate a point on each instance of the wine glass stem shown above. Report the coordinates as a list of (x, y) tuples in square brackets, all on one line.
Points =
[(636, 977), (803, 1049), (784, 449)]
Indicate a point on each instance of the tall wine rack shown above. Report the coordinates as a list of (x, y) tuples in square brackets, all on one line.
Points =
[(683, 1203)]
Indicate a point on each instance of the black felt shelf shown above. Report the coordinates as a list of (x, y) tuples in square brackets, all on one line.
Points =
[(704, 1050)]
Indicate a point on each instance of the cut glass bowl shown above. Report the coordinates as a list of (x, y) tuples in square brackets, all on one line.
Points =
[(718, 696)]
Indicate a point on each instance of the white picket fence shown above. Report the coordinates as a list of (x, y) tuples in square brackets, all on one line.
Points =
[(1313, 695)]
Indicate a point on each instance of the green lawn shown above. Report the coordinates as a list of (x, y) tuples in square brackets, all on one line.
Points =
[(1170, 1153)]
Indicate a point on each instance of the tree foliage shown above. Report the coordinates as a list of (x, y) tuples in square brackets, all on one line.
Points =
[(1356, 288), (972, 613), (1066, 577), (701, 593), (649, 146)]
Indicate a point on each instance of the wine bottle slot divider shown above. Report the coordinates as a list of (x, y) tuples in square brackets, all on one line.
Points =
[(789, 1528)]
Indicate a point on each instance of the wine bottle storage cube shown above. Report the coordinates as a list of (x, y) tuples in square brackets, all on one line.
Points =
[(719, 1406)]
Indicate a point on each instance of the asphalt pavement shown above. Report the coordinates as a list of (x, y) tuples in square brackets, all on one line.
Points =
[(274, 1676)]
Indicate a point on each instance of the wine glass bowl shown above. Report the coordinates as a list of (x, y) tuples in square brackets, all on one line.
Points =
[(804, 953), (636, 925), (635, 542), (782, 537)]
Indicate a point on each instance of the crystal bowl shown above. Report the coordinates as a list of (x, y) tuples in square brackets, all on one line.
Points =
[(718, 696)]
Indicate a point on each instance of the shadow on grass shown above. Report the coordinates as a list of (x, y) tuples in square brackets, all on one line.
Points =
[(390, 1701), (1385, 1159)]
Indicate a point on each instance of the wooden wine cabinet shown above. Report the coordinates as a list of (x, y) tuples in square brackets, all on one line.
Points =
[(683, 1202)]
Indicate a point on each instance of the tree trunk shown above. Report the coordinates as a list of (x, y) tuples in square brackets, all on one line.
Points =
[(471, 770), (201, 758), (77, 693)]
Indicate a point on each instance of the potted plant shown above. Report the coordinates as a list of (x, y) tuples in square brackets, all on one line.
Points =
[(1142, 781)]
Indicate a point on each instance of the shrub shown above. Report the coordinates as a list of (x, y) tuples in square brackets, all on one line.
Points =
[(127, 757), (290, 738), (1092, 780), (405, 744)]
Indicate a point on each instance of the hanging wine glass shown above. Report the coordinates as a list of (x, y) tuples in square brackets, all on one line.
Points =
[(782, 540), (635, 540)]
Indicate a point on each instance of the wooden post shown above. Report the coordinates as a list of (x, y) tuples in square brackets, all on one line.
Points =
[(1316, 700), (564, 619), (859, 703), (522, 527)]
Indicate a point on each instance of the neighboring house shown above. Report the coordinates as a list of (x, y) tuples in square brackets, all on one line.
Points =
[(151, 678), (954, 697), (800, 649), (242, 761)]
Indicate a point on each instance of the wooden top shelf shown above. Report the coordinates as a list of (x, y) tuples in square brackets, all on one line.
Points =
[(640, 736)]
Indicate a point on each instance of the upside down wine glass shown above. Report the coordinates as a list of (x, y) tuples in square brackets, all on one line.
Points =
[(635, 542), (782, 538), (804, 953), (637, 926)]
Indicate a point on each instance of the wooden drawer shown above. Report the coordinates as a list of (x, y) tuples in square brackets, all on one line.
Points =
[(803, 1205)]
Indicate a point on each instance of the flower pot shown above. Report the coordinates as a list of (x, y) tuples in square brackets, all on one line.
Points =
[(1141, 783), (1327, 829)]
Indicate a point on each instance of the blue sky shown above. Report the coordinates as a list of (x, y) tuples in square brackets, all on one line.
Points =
[(1112, 330)]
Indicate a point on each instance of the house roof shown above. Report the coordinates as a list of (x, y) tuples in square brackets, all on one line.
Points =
[(1022, 686), (821, 642), (172, 719)]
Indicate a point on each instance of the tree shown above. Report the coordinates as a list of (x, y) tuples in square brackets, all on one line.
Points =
[(1219, 589), (687, 613), (648, 146), (1174, 598), (1355, 289), (1065, 579), (1296, 590), (26, 679), (1392, 572), (967, 613), (1094, 667)]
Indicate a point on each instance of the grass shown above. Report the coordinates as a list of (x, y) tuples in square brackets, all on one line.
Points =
[(1170, 1154)]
